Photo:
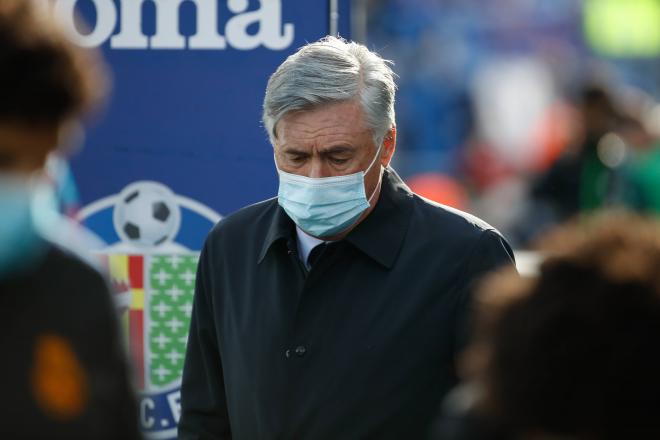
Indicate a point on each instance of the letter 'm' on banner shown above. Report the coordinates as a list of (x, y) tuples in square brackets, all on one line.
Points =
[(207, 36), (167, 34)]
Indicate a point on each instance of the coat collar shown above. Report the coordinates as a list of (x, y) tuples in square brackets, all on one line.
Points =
[(380, 235)]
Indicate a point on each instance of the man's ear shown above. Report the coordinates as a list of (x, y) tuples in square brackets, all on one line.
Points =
[(389, 146)]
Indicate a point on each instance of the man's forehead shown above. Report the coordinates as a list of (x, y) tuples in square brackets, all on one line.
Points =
[(333, 124), (323, 141), (329, 113)]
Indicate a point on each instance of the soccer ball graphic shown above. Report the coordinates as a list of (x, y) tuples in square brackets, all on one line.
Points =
[(146, 214)]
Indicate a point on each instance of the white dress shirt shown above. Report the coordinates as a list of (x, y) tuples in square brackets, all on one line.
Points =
[(305, 245)]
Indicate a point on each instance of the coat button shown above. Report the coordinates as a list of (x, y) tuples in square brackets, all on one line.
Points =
[(300, 351)]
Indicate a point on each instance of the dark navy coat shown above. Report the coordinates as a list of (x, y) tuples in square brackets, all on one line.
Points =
[(362, 346)]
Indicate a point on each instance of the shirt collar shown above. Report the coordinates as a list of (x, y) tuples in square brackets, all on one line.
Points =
[(305, 244), (280, 227), (379, 236)]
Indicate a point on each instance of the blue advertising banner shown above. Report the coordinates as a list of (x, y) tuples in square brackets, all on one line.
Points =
[(180, 145)]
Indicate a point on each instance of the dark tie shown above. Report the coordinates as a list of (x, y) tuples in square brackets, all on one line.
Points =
[(315, 254)]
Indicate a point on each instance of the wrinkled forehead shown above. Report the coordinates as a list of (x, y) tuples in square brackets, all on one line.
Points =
[(341, 120)]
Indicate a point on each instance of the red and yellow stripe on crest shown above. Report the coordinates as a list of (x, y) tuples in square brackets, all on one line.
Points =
[(127, 275)]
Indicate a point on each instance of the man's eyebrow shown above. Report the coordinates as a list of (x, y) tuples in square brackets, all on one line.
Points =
[(338, 149), (335, 149), (294, 150)]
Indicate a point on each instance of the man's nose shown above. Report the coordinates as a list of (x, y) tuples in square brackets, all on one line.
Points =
[(317, 168)]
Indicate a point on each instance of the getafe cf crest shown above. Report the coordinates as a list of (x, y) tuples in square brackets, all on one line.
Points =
[(153, 241)]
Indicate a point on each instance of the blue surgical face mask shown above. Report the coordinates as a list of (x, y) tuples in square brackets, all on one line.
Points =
[(20, 243), (325, 206)]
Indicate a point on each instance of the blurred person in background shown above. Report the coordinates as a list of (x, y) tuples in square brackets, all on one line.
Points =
[(638, 136), (63, 373), (570, 353), (335, 310), (578, 180), (615, 163)]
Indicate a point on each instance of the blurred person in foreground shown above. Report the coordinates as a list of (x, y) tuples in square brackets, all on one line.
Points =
[(63, 372), (570, 353), (335, 310)]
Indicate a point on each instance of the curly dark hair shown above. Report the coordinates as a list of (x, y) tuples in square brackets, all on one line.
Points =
[(44, 78), (575, 349)]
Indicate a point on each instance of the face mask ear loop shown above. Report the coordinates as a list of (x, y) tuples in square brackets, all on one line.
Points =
[(380, 178), (373, 194), (380, 149)]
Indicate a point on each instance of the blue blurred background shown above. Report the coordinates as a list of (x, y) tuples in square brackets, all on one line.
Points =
[(524, 112)]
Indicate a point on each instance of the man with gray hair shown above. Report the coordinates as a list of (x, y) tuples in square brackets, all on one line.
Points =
[(336, 310)]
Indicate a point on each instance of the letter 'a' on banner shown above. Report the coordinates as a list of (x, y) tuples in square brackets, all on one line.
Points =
[(179, 145)]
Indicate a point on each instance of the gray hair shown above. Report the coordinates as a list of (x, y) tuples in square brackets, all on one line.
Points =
[(327, 71)]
